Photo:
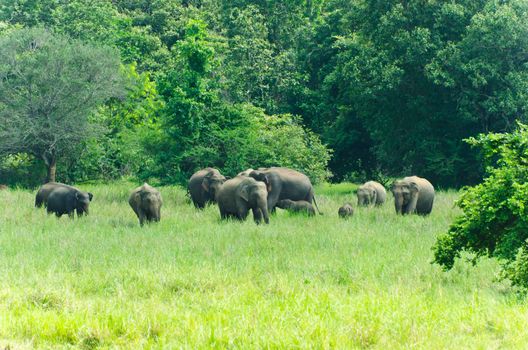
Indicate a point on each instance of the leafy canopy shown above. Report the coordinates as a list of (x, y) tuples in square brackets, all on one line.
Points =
[(49, 86), (495, 213)]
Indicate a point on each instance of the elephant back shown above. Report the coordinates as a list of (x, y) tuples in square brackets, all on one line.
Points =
[(294, 184)]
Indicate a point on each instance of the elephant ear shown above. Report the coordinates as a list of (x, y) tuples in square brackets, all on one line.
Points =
[(244, 193), (268, 183), (413, 186), (205, 184)]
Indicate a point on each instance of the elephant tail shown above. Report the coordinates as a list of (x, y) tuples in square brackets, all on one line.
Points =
[(316, 206)]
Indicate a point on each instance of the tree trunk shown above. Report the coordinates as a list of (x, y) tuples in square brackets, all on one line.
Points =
[(51, 163)]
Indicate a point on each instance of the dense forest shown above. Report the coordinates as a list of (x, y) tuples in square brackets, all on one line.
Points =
[(341, 89)]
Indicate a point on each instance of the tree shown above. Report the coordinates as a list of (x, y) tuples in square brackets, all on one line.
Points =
[(494, 222), (49, 87)]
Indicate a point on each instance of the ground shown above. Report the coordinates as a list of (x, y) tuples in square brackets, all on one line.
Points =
[(192, 281)]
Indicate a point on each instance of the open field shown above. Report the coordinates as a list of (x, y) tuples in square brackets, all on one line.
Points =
[(192, 281)]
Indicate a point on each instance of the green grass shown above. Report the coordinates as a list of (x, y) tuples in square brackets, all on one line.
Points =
[(192, 281)]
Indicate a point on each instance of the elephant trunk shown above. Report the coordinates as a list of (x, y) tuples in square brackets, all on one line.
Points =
[(263, 207), (398, 204)]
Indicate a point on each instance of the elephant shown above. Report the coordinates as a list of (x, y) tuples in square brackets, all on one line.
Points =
[(238, 195), (413, 194), (146, 202), (41, 199), (371, 193), (296, 206), (345, 211), (203, 186), (66, 200), (284, 183)]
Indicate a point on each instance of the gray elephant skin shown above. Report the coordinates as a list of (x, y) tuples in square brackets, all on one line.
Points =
[(371, 193), (146, 202), (296, 206), (41, 199), (413, 195), (68, 200), (284, 183), (203, 186), (346, 211), (245, 172), (239, 195)]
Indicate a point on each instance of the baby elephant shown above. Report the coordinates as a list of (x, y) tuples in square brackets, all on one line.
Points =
[(296, 206), (146, 202), (346, 211)]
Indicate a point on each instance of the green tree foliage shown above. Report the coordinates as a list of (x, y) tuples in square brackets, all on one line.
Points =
[(495, 213), (200, 128), (392, 87), (409, 80), (49, 86)]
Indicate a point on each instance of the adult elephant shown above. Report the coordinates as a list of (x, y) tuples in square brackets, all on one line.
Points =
[(238, 195), (413, 194), (371, 193), (146, 202), (203, 186), (284, 183), (41, 199), (67, 199)]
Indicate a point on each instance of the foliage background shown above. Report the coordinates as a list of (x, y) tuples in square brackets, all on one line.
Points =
[(390, 87)]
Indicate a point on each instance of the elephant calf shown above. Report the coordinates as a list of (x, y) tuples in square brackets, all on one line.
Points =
[(346, 211), (146, 202), (297, 206), (66, 200), (238, 195), (371, 193)]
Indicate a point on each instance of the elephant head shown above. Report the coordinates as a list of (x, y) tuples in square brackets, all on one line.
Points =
[(366, 196), (82, 202), (262, 177), (151, 202), (211, 183), (255, 195), (405, 196)]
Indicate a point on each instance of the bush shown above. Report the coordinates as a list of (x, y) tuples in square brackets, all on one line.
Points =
[(495, 213), (21, 170), (237, 137)]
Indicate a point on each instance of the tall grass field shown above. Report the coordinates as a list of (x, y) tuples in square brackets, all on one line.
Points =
[(195, 282)]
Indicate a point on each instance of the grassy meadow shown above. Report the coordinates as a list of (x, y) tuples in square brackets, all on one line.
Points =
[(195, 282)]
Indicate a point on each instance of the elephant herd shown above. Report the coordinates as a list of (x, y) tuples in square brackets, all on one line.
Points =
[(260, 191)]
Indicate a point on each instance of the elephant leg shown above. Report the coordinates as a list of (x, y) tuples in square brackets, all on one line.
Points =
[(374, 199), (411, 207), (257, 215), (71, 215), (142, 218), (242, 213), (273, 198)]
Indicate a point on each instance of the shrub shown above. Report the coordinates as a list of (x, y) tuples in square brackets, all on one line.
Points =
[(494, 222)]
